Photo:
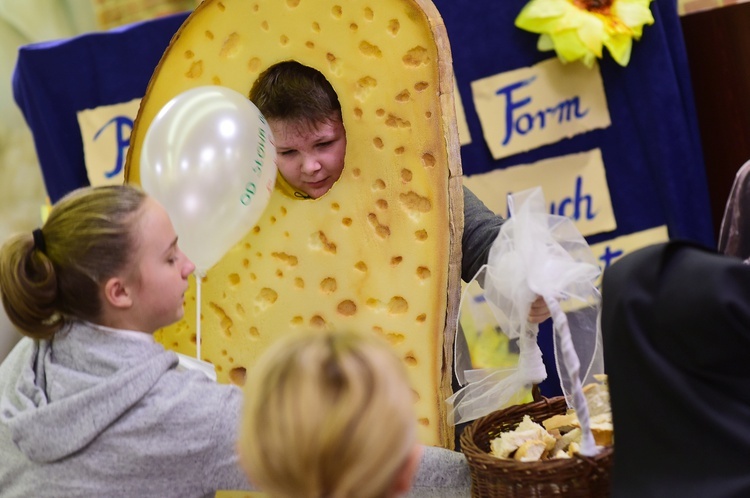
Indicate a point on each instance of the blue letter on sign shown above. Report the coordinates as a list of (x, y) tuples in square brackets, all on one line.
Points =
[(122, 141)]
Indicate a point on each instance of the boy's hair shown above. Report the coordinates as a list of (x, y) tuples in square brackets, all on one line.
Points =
[(327, 415), (56, 274), (289, 90)]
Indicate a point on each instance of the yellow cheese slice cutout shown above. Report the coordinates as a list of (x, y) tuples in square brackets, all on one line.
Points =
[(381, 250)]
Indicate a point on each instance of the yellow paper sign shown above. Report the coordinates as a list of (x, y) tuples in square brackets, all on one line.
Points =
[(106, 137), (464, 137), (574, 186), (607, 253), (523, 109), (611, 250)]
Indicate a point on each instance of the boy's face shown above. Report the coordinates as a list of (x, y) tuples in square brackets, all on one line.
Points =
[(310, 158)]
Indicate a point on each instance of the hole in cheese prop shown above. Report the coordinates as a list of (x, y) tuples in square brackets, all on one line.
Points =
[(381, 250)]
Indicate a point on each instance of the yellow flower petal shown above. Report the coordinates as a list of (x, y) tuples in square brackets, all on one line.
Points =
[(540, 9), (588, 60), (566, 16), (545, 43), (534, 23), (568, 45), (573, 18), (619, 48), (593, 33), (633, 15)]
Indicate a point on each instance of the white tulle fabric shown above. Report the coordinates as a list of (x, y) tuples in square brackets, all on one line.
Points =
[(536, 254)]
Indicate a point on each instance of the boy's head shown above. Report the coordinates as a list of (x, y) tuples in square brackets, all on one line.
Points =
[(304, 114), (329, 414)]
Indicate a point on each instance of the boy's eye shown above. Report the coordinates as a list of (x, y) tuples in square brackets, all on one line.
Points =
[(323, 145), (287, 152)]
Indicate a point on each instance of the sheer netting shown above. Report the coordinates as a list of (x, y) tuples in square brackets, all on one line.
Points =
[(536, 254)]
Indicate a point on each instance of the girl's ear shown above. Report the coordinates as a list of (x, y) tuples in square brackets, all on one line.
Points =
[(405, 476), (117, 294)]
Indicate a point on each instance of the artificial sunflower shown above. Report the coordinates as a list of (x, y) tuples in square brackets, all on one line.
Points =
[(578, 29)]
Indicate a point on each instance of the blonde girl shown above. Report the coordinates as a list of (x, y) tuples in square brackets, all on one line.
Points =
[(331, 415)]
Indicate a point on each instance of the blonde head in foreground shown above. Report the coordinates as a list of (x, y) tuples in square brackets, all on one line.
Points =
[(329, 415)]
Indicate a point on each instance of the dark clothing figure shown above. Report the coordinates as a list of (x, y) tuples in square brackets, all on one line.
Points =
[(734, 235), (676, 331)]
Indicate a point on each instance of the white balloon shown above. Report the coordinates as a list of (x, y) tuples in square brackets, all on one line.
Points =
[(209, 158)]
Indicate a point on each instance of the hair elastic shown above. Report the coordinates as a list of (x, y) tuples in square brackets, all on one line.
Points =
[(39, 243)]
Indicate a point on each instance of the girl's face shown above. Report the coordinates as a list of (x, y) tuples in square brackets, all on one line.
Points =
[(310, 158), (162, 269)]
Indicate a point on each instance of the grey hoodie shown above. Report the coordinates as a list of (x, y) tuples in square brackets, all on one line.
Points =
[(100, 412)]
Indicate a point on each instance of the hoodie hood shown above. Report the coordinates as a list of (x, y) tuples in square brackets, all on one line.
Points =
[(57, 396)]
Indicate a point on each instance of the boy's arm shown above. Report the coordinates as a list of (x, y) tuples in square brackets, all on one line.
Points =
[(481, 227)]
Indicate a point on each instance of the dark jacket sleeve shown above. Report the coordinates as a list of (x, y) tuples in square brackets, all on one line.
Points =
[(481, 227)]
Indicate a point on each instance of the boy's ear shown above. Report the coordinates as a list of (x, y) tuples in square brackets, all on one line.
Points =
[(117, 294), (405, 476)]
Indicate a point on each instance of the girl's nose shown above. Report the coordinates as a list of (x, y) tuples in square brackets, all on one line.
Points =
[(187, 268)]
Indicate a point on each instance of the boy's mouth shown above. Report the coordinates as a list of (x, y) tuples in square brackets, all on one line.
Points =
[(318, 183)]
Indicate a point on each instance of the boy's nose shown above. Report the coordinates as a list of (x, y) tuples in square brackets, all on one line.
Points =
[(310, 165)]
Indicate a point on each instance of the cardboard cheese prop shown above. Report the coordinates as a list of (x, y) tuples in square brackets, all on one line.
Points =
[(381, 250)]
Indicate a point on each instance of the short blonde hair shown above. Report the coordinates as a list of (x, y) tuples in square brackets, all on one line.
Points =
[(327, 415)]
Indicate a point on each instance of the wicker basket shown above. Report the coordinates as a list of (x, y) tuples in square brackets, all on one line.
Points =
[(494, 477)]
